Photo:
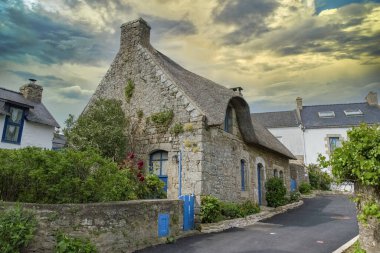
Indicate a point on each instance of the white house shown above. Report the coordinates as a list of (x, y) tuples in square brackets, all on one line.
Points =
[(318, 129), (24, 120)]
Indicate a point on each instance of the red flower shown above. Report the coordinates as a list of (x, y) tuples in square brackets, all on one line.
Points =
[(140, 164), (139, 175), (142, 178), (131, 155)]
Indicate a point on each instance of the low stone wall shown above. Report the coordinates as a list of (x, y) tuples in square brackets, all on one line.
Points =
[(112, 227), (249, 220)]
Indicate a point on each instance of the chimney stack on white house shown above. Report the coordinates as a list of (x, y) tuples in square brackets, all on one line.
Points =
[(238, 90), (133, 33), (299, 103), (32, 91), (371, 98)]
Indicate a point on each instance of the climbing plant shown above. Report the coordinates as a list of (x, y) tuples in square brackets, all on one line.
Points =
[(163, 118), (129, 88)]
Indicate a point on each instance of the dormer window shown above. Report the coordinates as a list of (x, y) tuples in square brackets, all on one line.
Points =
[(228, 120), (13, 125), (326, 114), (356, 112)]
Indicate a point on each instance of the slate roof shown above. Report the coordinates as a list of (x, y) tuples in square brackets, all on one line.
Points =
[(212, 100), (277, 119), (37, 112), (310, 118)]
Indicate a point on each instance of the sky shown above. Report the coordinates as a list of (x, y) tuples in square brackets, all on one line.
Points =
[(325, 51)]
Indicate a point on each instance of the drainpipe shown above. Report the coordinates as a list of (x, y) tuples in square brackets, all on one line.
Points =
[(180, 172)]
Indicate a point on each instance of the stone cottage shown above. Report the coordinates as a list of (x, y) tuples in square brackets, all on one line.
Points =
[(196, 135)]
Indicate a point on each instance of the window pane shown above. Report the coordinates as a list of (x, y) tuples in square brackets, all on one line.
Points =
[(12, 133), (156, 156), (334, 143), (164, 155), (156, 167), (164, 170), (16, 115)]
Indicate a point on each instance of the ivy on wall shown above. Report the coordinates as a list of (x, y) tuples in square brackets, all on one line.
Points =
[(163, 118)]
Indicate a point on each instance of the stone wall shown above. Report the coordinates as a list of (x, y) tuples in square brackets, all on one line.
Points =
[(112, 227), (222, 168)]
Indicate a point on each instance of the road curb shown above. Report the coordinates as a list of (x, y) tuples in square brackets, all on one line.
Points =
[(346, 245)]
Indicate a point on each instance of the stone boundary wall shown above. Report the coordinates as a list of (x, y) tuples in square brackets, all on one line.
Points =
[(111, 227), (249, 220)]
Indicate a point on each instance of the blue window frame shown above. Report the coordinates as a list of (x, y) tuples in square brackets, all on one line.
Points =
[(244, 175), (158, 165), (13, 125), (228, 120)]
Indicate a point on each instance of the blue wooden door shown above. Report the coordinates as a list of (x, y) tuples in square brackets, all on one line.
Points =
[(259, 184), (163, 225), (188, 212), (293, 185)]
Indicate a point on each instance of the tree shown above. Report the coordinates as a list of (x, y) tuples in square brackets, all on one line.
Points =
[(102, 127), (358, 161)]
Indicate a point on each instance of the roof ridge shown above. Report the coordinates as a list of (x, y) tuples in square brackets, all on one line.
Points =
[(271, 112), (11, 90), (336, 104)]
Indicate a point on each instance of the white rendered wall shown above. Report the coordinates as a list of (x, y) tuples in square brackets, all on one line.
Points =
[(33, 134), (316, 142), (291, 137)]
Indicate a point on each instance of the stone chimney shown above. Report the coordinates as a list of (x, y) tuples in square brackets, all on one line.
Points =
[(32, 91), (133, 33), (299, 103), (371, 98), (238, 90)]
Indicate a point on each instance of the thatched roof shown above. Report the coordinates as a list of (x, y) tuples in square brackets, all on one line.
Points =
[(212, 100)]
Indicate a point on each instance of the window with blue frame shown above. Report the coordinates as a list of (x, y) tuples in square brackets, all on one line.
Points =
[(158, 165), (275, 173), (228, 120), (13, 125), (244, 175)]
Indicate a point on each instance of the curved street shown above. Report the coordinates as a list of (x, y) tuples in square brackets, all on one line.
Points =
[(321, 225)]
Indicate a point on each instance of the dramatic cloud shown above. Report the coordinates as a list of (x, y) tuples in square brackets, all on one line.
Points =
[(248, 16), (324, 51)]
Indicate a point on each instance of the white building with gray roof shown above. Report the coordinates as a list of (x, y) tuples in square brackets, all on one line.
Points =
[(310, 130), (24, 120)]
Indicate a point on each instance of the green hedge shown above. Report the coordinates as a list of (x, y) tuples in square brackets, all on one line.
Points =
[(275, 192), (214, 210), (305, 188), (69, 176)]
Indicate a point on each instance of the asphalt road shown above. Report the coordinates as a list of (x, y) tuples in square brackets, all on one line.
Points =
[(320, 225)]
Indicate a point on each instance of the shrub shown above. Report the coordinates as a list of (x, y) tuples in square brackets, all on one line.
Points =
[(17, 228), (275, 192), (319, 180), (210, 209), (177, 129), (69, 176), (305, 188), (231, 210), (101, 127), (163, 118), (249, 207), (294, 197), (68, 244)]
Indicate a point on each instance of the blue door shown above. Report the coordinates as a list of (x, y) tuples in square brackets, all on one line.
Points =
[(158, 165), (188, 212), (293, 185), (259, 183)]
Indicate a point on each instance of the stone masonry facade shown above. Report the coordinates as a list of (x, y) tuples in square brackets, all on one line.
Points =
[(211, 157)]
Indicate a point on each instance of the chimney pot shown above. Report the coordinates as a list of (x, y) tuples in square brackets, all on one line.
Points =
[(238, 90), (299, 103), (371, 98), (133, 33), (32, 91)]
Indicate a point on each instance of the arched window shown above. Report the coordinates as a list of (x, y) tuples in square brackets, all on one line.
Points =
[(244, 175), (158, 165), (275, 173), (282, 175), (228, 120)]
